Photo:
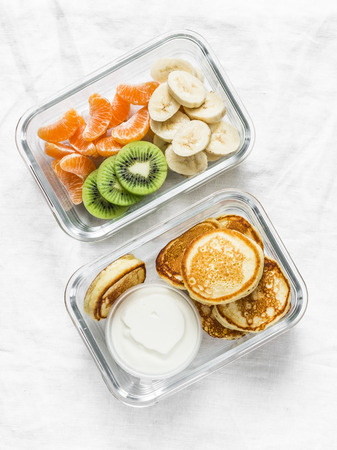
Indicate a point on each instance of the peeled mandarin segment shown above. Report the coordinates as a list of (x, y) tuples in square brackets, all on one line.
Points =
[(134, 129), (100, 116), (108, 147), (79, 165), (61, 130), (137, 94), (120, 111), (71, 182), (79, 143), (57, 150)]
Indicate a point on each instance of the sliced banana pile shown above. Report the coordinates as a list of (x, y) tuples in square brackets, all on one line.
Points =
[(186, 119)]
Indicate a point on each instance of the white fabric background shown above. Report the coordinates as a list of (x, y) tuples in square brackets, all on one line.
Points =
[(282, 59)]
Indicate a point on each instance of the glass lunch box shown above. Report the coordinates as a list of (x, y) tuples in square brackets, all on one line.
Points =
[(133, 67), (213, 353)]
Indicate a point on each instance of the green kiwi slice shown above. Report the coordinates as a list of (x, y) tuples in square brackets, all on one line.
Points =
[(140, 167), (109, 186), (95, 203)]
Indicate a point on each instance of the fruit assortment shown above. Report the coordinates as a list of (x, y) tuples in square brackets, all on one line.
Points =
[(187, 132)]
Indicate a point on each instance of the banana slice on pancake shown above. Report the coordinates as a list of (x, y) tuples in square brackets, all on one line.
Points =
[(110, 283), (267, 304)]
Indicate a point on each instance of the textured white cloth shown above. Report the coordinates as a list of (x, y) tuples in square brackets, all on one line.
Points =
[(282, 59)]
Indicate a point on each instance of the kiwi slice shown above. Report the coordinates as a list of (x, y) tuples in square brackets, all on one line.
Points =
[(95, 203), (110, 188), (141, 167)]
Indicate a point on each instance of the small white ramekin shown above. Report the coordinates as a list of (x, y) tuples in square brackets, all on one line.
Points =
[(119, 359)]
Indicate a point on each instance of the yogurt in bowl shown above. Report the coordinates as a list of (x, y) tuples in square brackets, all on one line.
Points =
[(153, 331)]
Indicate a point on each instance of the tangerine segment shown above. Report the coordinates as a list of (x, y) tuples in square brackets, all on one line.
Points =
[(100, 115), (134, 129), (60, 130), (79, 165), (71, 182), (137, 94), (120, 111), (57, 150), (108, 147), (79, 143)]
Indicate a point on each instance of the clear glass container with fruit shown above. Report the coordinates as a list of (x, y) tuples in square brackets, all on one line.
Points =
[(64, 140)]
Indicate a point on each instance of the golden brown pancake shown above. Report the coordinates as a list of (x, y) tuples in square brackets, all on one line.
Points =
[(212, 326), (238, 223), (221, 266), (168, 262), (267, 304), (110, 283)]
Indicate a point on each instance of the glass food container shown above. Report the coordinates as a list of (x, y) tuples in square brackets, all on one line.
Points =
[(213, 353), (133, 67)]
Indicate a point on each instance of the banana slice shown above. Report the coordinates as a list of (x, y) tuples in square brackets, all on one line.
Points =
[(186, 89), (211, 111), (191, 138), (225, 139), (164, 66), (199, 74), (212, 157), (160, 143), (162, 105), (166, 130), (188, 166)]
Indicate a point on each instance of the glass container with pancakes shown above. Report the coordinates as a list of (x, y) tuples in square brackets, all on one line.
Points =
[(225, 254)]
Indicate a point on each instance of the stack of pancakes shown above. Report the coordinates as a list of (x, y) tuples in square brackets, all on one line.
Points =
[(220, 262)]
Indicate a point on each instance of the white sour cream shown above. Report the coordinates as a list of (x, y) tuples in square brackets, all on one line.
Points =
[(153, 331)]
